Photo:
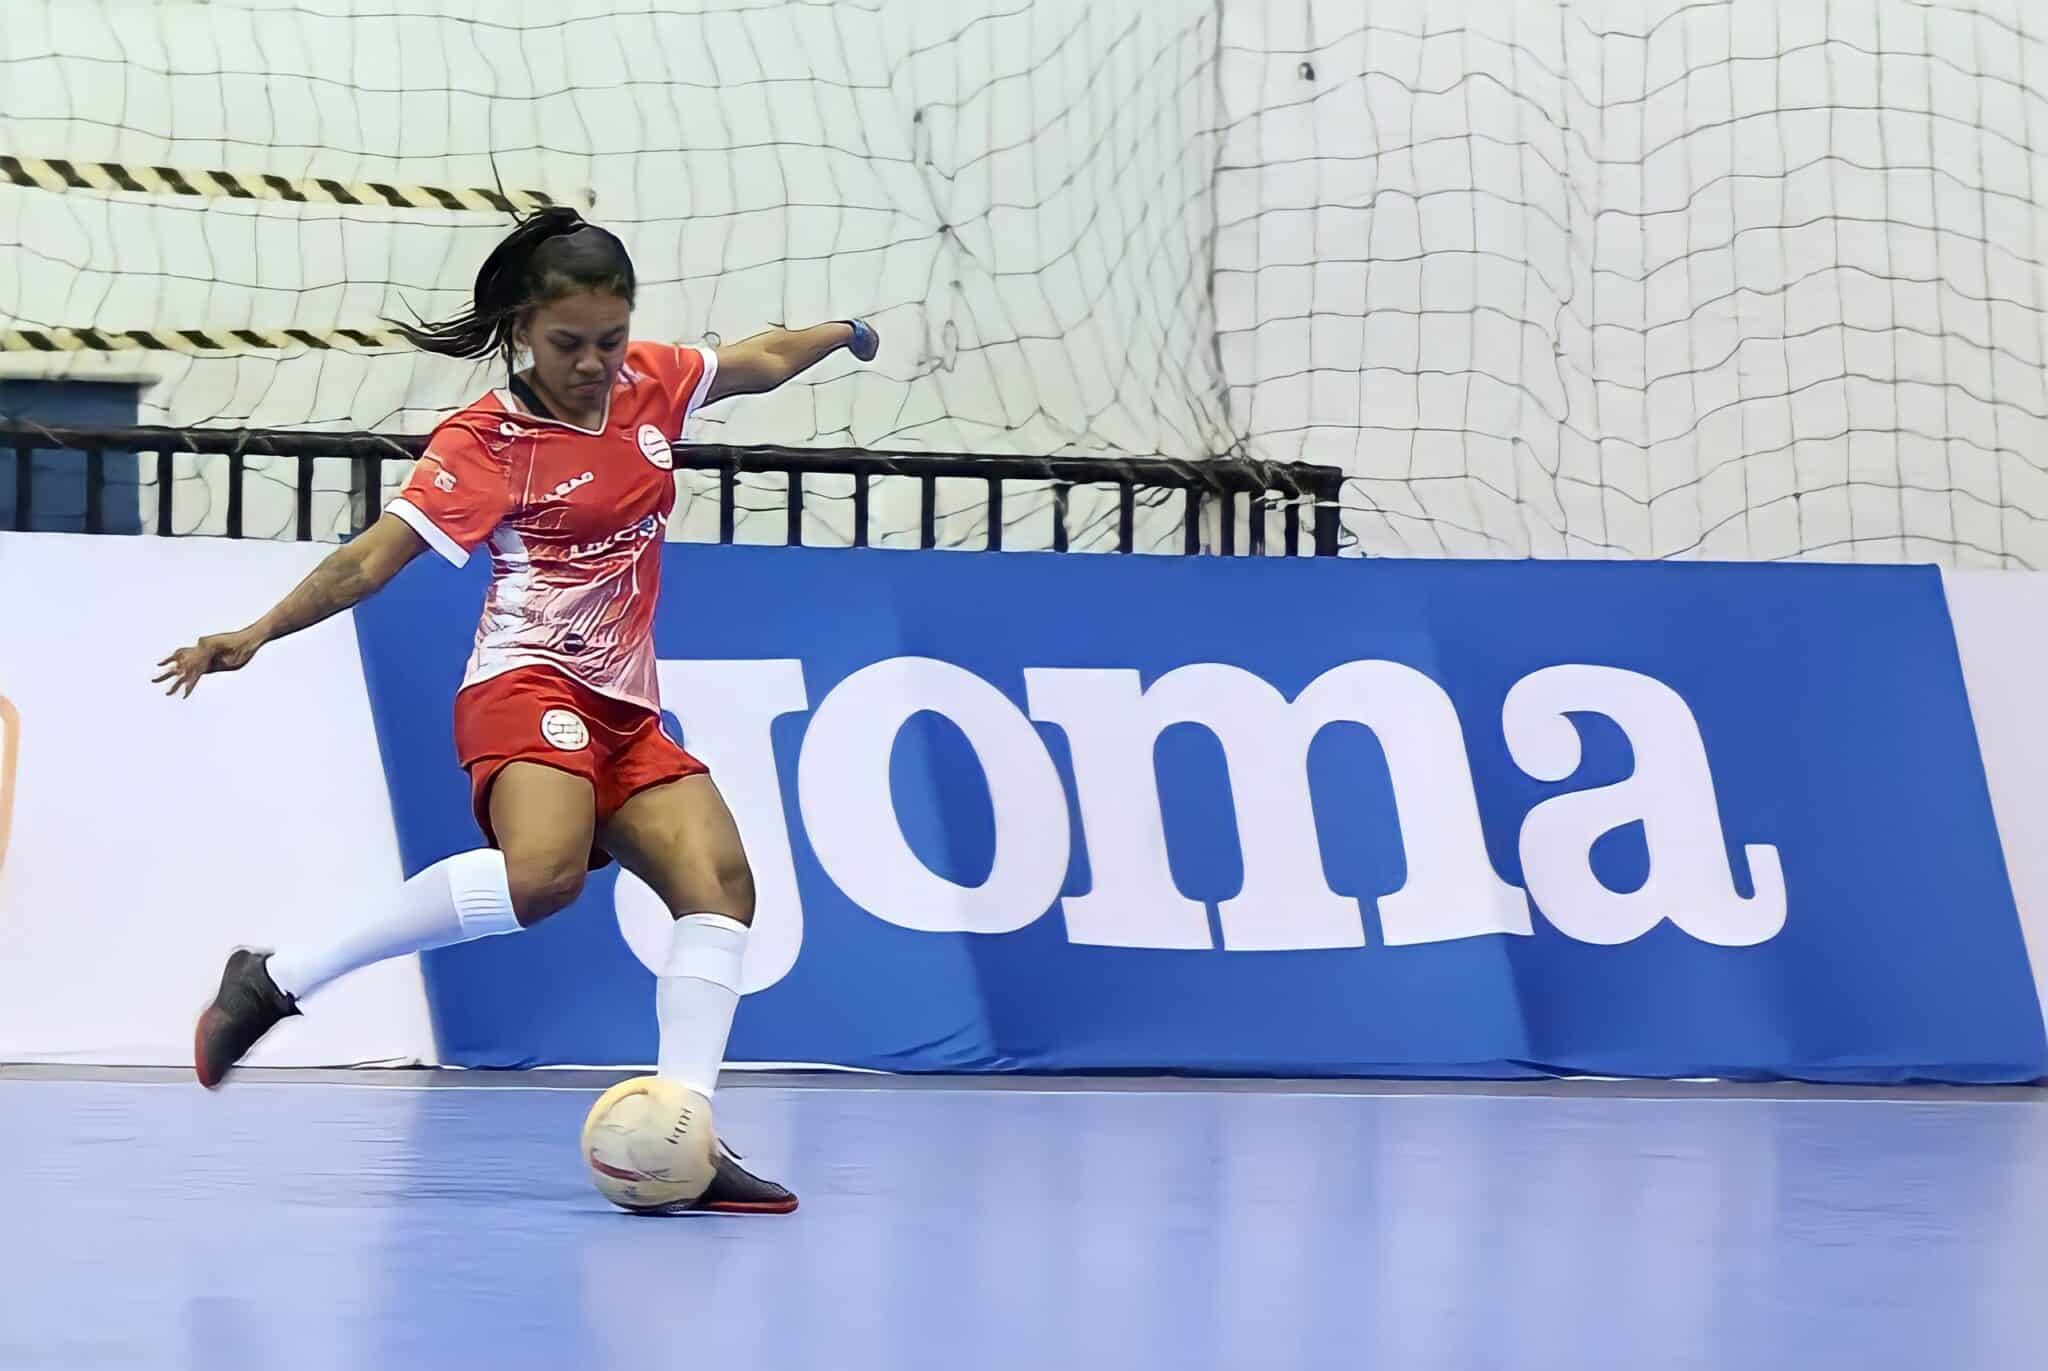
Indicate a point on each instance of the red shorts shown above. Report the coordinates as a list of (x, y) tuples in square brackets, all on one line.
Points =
[(533, 714)]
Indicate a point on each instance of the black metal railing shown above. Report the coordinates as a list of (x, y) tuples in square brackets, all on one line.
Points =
[(1221, 483)]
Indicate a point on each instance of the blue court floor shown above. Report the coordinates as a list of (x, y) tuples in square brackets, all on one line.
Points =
[(338, 1223)]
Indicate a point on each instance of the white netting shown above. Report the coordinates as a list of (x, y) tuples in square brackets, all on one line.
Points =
[(1739, 280), (1007, 191), (1682, 278)]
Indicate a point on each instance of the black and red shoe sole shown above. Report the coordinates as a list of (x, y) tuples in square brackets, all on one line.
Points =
[(787, 1206), (210, 1079)]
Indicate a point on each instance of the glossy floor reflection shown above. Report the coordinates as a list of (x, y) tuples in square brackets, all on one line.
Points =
[(319, 1225)]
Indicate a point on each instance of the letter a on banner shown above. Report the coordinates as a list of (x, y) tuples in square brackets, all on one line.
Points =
[(1671, 792)]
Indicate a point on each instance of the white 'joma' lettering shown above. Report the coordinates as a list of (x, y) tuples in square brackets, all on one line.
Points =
[(1112, 722)]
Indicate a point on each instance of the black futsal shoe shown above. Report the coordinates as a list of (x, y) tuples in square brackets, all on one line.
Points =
[(736, 1190), (248, 1006)]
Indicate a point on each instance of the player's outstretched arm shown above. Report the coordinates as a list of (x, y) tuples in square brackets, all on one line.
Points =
[(352, 573), (766, 360)]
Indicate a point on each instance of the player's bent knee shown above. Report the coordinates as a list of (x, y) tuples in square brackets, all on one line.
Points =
[(733, 879), (542, 887), (739, 889), (723, 884)]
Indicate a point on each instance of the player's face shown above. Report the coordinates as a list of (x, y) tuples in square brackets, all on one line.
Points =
[(578, 343)]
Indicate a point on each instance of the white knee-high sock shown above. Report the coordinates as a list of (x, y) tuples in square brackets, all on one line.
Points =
[(453, 901), (695, 996)]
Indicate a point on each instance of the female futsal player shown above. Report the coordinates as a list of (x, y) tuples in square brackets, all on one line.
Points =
[(566, 475)]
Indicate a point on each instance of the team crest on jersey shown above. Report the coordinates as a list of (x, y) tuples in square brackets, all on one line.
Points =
[(654, 447), (564, 730)]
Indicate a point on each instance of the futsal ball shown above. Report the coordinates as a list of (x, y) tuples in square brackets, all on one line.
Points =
[(648, 1144)]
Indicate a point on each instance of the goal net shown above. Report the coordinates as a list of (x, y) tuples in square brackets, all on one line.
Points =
[(1686, 278)]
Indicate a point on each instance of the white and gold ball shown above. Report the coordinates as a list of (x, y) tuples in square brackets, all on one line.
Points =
[(648, 1144)]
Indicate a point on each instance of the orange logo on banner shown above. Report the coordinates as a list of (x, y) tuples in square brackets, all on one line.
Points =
[(10, 731)]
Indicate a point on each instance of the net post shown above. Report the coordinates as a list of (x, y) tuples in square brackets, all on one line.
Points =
[(95, 489), (166, 482), (304, 497), (793, 503), (995, 514), (24, 484), (1191, 524), (728, 501), (927, 511), (860, 509), (1060, 494), (362, 492), (1291, 537), (235, 496), (1326, 526), (1227, 509), (1126, 517), (1256, 511)]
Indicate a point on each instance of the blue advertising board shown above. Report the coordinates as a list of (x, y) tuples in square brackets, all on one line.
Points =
[(1033, 812)]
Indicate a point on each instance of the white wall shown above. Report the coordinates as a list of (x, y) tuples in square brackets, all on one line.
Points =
[(1750, 279), (151, 837)]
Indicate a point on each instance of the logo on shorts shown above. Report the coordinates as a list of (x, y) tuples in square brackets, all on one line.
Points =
[(654, 447), (10, 732), (564, 730)]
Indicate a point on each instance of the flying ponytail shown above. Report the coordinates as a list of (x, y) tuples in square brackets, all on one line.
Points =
[(552, 253)]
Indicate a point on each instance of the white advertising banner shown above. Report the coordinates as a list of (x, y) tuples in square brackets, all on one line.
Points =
[(143, 838), (2001, 622)]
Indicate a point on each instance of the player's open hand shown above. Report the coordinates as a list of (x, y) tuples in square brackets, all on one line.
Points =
[(215, 652)]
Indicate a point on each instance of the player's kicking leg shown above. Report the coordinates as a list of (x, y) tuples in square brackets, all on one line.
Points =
[(680, 839), (543, 820)]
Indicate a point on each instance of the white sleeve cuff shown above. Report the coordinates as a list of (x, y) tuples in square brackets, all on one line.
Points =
[(417, 519), (710, 356)]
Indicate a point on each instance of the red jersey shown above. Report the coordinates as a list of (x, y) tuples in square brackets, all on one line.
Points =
[(574, 519)]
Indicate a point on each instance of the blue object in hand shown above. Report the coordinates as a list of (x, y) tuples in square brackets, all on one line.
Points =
[(865, 341)]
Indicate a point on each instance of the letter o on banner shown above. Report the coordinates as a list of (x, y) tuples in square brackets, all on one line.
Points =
[(849, 813)]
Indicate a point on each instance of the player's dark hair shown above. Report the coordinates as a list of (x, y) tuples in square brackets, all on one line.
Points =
[(552, 253)]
